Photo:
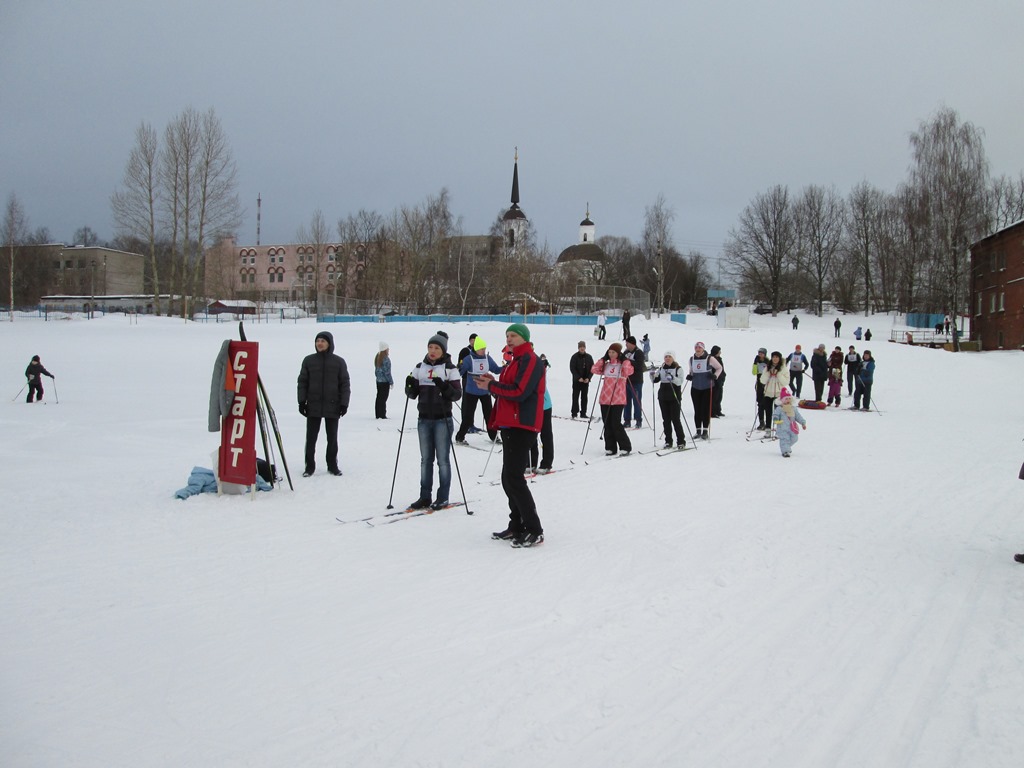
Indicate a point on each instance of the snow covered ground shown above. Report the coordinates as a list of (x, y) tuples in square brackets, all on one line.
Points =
[(855, 605)]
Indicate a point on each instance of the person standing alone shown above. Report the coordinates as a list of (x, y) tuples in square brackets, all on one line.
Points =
[(324, 390), (382, 375), (519, 413), (34, 374), (580, 365)]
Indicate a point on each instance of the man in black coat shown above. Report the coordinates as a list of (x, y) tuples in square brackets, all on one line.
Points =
[(580, 366), (324, 392)]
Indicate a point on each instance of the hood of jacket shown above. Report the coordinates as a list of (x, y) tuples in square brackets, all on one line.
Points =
[(330, 341)]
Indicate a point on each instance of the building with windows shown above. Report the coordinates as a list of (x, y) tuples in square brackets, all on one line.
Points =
[(997, 289), (294, 273)]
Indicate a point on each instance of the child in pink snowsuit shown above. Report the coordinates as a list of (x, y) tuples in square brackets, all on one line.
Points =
[(835, 385)]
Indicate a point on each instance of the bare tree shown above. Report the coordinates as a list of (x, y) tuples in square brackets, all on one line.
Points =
[(950, 173), (135, 205), (314, 239), (655, 244), (865, 205), (13, 232), (820, 221), (1007, 201), (198, 177), (764, 246)]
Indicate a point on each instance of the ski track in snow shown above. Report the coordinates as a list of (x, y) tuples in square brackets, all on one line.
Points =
[(854, 605)]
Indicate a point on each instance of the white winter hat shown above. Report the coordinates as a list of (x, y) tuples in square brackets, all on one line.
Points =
[(383, 346), (670, 353)]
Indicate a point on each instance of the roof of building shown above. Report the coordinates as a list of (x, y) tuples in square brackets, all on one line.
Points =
[(581, 252)]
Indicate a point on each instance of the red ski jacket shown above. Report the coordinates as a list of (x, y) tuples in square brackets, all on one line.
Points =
[(519, 392)]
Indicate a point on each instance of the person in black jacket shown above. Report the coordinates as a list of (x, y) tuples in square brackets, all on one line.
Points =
[(34, 373), (819, 371), (324, 392), (852, 361), (435, 383), (719, 390), (580, 365)]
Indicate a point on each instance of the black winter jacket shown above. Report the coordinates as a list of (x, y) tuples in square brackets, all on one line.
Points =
[(581, 365), (324, 383)]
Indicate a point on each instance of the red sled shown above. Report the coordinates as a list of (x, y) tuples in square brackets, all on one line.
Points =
[(814, 405)]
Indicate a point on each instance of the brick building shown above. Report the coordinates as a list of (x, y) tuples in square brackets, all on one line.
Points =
[(997, 289)]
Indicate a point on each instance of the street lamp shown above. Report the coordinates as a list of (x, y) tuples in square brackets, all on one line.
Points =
[(661, 280), (92, 300)]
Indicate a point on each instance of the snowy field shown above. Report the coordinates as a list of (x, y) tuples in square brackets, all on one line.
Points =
[(855, 605)]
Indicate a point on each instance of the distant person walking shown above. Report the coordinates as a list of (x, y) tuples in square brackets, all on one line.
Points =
[(625, 324), (602, 325), (796, 322), (34, 374), (837, 325)]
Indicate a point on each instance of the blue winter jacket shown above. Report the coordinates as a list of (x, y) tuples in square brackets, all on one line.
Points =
[(867, 371), (467, 362)]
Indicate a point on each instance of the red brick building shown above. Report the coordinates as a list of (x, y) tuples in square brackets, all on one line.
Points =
[(997, 289)]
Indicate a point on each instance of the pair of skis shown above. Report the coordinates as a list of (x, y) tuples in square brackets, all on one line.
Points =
[(264, 401), (398, 515)]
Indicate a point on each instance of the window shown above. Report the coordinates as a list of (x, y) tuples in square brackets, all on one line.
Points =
[(1002, 302), (992, 303)]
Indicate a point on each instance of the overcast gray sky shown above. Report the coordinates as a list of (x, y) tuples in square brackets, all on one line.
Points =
[(342, 105)]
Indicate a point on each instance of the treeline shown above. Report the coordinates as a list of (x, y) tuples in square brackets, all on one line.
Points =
[(873, 250)]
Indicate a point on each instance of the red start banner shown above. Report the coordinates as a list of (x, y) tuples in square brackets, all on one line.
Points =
[(237, 462)]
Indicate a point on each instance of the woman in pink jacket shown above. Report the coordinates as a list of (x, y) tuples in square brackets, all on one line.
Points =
[(614, 370)]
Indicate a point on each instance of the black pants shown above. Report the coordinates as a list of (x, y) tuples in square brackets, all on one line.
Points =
[(716, 396), (670, 413), (35, 387), (862, 395), (469, 413), (547, 441), (601, 331), (819, 389), (380, 408), (515, 453), (796, 382), (701, 407), (312, 432), (615, 437), (850, 376), (580, 390), (764, 410)]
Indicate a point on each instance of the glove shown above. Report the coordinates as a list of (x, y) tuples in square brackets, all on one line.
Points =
[(304, 409), (689, 377), (344, 410), (442, 385), (412, 387)]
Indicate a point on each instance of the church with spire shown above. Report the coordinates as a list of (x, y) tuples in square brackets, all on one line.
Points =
[(514, 222)]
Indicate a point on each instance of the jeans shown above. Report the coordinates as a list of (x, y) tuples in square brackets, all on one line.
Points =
[(633, 409), (435, 443)]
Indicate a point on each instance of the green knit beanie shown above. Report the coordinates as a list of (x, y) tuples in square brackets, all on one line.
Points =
[(519, 329)]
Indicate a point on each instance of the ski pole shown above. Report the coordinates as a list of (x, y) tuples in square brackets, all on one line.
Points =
[(458, 473), (19, 393), (55, 395), (682, 415), (401, 434), (494, 442), (593, 405)]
